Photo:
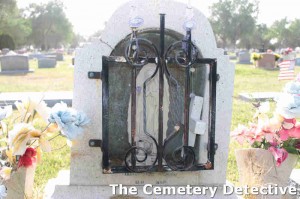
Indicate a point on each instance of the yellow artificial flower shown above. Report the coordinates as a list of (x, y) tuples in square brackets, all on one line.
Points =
[(5, 172), (52, 128), (9, 156), (20, 135), (38, 155)]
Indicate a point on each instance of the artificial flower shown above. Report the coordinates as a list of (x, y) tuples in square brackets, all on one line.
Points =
[(9, 155), (280, 154), (5, 172), (3, 192), (292, 87), (288, 105), (62, 115), (81, 119), (5, 112), (278, 134), (239, 133), (44, 144), (20, 135), (69, 121), (28, 158), (29, 105), (3, 127)]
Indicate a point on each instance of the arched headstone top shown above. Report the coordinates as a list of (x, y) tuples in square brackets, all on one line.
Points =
[(202, 34)]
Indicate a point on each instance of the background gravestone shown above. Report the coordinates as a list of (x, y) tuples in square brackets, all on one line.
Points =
[(14, 64), (58, 56), (244, 57), (267, 61), (47, 62), (85, 179)]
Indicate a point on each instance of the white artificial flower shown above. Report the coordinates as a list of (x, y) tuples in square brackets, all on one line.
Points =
[(27, 107), (3, 192), (5, 112), (264, 107), (292, 87), (288, 105)]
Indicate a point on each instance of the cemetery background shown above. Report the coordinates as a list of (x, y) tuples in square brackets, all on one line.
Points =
[(247, 79)]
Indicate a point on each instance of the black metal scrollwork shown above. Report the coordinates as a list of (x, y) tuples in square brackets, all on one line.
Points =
[(137, 54), (184, 53)]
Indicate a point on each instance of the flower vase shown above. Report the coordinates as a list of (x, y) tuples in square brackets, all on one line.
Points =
[(20, 184), (257, 168)]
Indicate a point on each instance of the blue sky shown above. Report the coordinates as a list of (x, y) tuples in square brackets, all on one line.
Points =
[(88, 16)]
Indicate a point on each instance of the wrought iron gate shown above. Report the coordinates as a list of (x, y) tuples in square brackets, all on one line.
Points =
[(165, 150)]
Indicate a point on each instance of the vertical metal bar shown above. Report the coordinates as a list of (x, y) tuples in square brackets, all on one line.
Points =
[(133, 114), (213, 95), (105, 114), (161, 92), (187, 90)]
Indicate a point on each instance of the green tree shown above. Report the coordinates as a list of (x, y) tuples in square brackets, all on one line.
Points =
[(260, 38), (294, 34), (12, 23), (51, 28), (234, 20), (279, 31)]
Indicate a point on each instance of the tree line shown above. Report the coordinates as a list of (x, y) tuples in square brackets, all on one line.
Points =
[(43, 25), (235, 26), (234, 23)]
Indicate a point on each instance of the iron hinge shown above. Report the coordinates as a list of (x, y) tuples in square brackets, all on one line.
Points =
[(95, 143), (216, 78), (94, 75)]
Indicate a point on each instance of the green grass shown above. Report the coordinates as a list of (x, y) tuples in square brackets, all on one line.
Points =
[(51, 163), (41, 80)]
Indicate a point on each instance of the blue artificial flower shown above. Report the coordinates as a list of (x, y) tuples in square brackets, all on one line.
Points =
[(68, 120), (71, 131), (81, 119)]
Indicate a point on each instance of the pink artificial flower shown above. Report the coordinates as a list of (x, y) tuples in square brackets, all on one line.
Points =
[(284, 134), (239, 134), (279, 154), (295, 132)]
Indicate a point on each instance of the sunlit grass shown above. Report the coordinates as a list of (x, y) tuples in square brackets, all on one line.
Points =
[(59, 78)]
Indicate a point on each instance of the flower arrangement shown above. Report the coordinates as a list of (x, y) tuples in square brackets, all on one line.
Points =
[(256, 56), (280, 134), (277, 56), (287, 51), (22, 138)]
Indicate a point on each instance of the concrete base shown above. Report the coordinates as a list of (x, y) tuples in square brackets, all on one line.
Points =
[(258, 96), (16, 72), (50, 98), (60, 188)]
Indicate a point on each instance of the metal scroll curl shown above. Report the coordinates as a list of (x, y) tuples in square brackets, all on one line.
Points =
[(184, 53), (137, 54), (138, 51)]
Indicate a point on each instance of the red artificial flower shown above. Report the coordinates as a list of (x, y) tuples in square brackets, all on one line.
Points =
[(279, 154), (28, 158)]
